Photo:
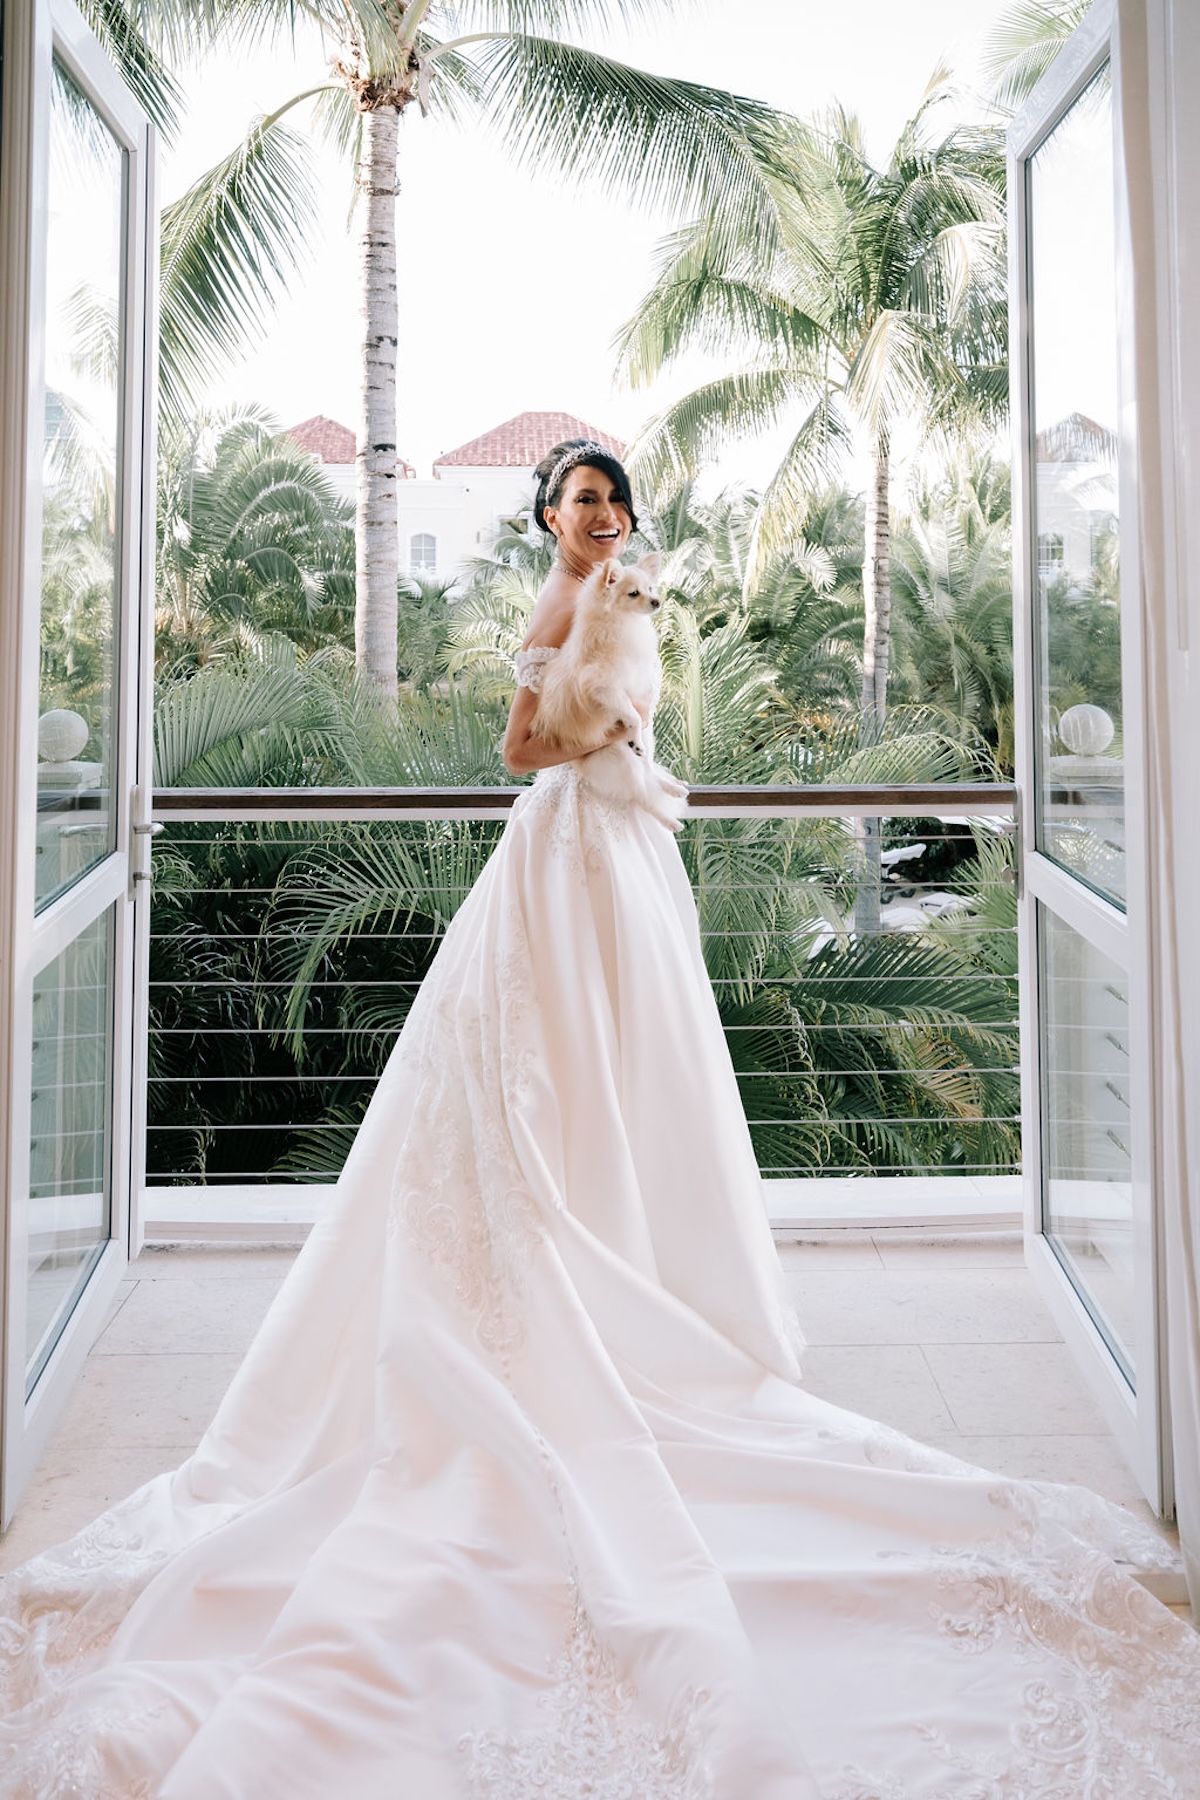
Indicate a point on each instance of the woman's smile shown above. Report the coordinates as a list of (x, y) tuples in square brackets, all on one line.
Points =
[(591, 520)]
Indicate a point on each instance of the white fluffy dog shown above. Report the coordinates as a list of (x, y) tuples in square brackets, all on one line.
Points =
[(607, 673)]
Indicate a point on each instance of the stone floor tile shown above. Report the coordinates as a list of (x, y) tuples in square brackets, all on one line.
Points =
[(836, 1250), (180, 1262), (123, 1400), (891, 1383), (118, 1300), (920, 1306), (902, 1250), (177, 1317), (1013, 1389)]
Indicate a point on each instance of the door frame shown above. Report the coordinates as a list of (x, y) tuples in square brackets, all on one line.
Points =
[(35, 33), (1137, 1419)]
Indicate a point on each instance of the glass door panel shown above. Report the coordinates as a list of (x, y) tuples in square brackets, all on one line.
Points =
[(1087, 1075), (1080, 798), (70, 1165), (1087, 1160), (77, 207), (81, 489)]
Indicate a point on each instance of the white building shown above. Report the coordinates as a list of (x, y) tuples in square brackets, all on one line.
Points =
[(1076, 463), (452, 516)]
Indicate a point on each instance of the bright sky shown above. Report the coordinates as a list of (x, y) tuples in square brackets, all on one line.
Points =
[(513, 287)]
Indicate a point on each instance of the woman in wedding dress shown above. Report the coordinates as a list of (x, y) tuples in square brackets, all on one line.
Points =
[(518, 1494)]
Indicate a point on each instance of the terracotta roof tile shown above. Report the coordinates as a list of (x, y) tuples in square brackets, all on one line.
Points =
[(521, 442), (330, 442), (323, 438), (1075, 439)]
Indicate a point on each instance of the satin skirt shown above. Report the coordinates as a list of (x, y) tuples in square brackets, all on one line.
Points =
[(518, 1494)]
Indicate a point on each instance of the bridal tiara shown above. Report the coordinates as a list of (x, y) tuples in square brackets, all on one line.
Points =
[(578, 453)]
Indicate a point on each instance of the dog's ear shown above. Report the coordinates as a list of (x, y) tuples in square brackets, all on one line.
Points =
[(651, 562), (612, 572)]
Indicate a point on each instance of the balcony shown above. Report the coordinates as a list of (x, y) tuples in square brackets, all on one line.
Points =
[(869, 998), (861, 943)]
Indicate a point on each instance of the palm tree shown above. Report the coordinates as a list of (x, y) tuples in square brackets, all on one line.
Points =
[(881, 301), (666, 141)]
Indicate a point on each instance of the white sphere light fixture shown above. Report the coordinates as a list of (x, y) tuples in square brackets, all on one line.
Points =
[(61, 736), (1086, 730)]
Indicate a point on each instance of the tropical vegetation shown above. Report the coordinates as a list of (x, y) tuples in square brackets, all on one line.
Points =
[(808, 634), (504, 61), (285, 956)]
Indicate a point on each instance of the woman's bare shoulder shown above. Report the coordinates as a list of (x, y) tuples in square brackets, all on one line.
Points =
[(551, 620)]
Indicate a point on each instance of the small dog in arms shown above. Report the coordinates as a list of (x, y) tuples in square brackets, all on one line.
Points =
[(606, 674)]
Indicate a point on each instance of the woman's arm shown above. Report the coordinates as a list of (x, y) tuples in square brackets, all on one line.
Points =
[(550, 625), (523, 752)]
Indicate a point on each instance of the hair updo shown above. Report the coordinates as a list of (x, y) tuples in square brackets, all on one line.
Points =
[(578, 453)]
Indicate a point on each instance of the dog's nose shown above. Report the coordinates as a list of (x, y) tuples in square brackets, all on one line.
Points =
[(654, 601)]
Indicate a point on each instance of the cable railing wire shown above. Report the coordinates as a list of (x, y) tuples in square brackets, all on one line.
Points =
[(227, 1022)]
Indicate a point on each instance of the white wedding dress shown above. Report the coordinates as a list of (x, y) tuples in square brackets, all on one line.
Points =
[(518, 1494)]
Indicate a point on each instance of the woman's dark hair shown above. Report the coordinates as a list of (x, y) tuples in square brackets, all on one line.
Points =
[(578, 453)]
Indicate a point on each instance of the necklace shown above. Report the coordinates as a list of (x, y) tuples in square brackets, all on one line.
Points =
[(561, 563)]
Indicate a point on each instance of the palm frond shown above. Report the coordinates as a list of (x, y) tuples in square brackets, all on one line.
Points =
[(221, 706), (673, 445), (544, 15), (698, 300), (1022, 46), (670, 144), (227, 245), (814, 455), (119, 28)]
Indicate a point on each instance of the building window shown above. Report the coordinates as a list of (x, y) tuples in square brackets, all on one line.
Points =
[(1103, 530), (422, 553), (1050, 555)]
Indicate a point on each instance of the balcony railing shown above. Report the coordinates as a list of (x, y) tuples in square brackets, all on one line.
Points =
[(870, 1005)]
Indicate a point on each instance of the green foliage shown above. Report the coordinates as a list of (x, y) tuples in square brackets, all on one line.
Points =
[(253, 544), (286, 958), (881, 297), (952, 603), (76, 611), (1083, 636), (423, 627)]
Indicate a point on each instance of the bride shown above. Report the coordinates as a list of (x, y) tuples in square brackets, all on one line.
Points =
[(519, 1495)]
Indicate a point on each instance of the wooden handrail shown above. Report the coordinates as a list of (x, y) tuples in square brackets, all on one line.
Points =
[(859, 800)]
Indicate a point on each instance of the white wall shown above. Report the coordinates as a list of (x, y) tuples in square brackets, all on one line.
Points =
[(460, 507)]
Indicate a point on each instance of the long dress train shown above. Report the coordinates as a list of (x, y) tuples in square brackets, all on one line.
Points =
[(517, 1495)]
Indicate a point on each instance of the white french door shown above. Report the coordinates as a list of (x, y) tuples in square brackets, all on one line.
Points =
[(1090, 1221), (75, 564)]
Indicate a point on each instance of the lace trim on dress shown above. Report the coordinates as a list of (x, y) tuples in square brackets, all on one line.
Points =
[(58, 1612), (464, 1203), (1115, 1719), (530, 665), (592, 1744)]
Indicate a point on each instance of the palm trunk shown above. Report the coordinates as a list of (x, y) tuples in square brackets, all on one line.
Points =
[(877, 609), (877, 598), (377, 512)]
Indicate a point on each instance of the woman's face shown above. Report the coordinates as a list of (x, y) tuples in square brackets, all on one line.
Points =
[(591, 521)]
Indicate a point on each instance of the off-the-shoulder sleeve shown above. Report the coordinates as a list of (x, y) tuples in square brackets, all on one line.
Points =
[(530, 665)]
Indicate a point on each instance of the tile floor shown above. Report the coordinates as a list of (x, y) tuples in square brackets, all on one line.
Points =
[(944, 1338)]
